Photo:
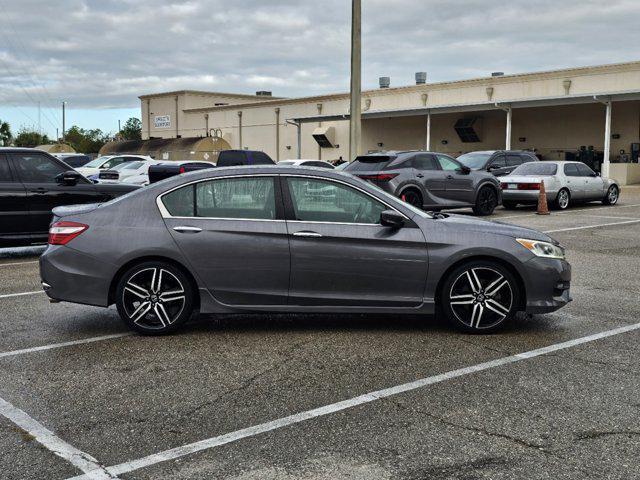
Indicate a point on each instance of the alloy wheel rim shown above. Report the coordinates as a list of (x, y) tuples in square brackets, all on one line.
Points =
[(613, 195), (481, 298), (487, 200), (412, 199), (153, 298), (563, 199)]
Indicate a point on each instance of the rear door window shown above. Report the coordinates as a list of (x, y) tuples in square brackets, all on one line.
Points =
[(513, 160), (245, 198), (570, 170), (368, 163), (425, 162)]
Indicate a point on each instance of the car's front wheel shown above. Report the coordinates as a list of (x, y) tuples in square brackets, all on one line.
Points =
[(479, 297), (611, 198), (154, 298), (486, 202)]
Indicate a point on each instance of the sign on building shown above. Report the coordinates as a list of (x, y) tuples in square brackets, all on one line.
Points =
[(162, 121)]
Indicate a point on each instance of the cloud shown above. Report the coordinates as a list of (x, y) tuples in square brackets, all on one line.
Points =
[(103, 54)]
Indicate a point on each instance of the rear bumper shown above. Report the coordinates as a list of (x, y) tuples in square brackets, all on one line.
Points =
[(71, 276), (525, 196), (548, 285)]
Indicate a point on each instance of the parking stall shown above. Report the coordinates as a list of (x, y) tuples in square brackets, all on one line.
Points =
[(333, 396)]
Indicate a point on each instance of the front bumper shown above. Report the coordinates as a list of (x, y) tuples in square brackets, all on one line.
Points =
[(72, 276), (548, 284)]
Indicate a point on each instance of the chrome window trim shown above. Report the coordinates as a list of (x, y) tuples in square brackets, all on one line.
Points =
[(165, 213)]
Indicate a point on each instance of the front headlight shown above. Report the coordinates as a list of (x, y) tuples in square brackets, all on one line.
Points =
[(542, 249)]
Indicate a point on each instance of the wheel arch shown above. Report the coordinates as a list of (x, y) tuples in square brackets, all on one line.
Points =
[(522, 298), (135, 261), (487, 183)]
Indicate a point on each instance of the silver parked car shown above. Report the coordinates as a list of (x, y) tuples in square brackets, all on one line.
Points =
[(564, 183), (289, 239)]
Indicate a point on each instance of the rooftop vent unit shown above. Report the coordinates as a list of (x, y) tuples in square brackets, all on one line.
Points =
[(469, 129), (325, 136), (421, 78), (263, 93), (497, 74), (384, 82)]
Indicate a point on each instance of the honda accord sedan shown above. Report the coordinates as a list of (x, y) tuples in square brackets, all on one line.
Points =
[(289, 239)]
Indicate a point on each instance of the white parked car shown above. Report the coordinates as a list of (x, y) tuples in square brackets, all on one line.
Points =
[(124, 171), (306, 163), (564, 183), (107, 162)]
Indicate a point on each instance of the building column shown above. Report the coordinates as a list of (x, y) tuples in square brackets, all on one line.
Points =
[(604, 168), (299, 127), (507, 143), (427, 143), (277, 110), (240, 130), (177, 110)]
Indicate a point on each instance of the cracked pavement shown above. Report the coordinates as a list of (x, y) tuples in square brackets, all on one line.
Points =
[(571, 414)]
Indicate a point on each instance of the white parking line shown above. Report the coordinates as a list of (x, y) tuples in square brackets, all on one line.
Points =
[(188, 449), (79, 459), (612, 216), (591, 226), (574, 210), (51, 346), (17, 263), (8, 295)]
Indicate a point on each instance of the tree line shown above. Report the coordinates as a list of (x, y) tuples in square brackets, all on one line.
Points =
[(80, 139)]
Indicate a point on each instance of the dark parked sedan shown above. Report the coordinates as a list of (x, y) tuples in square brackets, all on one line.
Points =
[(32, 183), (288, 239), (497, 162), (428, 180)]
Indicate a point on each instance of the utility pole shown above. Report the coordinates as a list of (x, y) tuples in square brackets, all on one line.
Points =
[(39, 122), (356, 66), (63, 120), (119, 128)]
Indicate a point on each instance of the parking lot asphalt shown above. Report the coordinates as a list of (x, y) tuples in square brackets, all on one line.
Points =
[(148, 408)]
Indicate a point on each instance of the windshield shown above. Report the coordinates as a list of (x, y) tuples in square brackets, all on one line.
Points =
[(474, 160), (536, 168), (97, 162)]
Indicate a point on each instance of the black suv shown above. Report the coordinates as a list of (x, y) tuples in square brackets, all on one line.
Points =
[(498, 162), (32, 183), (429, 180)]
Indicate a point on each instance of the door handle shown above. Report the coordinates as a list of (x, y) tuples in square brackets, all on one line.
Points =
[(39, 190), (184, 229), (420, 175), (306, 234), (450, 177)]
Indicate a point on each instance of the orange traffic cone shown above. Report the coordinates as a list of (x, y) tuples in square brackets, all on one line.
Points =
[(543, 209)]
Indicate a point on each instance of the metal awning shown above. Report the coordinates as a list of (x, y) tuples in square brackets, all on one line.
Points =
[(482, 106)]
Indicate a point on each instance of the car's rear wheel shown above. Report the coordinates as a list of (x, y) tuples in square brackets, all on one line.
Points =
[(412, 197), (480, 296), (154, 298), (563, 199), (486, 202), (508, 205), (611, 198)]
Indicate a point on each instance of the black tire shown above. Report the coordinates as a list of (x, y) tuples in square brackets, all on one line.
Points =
[(612, 196), (475, 308), (561, 202), (155, 298), (412, 197), (509, 205), (486, 201)]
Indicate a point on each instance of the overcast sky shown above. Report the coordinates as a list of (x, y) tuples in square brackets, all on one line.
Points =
[(100, 56)]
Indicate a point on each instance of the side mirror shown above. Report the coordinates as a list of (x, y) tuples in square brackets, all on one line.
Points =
[(491, 168), (464, 169), (69, 178), (596, 174), (391, 218)]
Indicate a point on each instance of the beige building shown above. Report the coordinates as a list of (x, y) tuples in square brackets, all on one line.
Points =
[(553, 113)]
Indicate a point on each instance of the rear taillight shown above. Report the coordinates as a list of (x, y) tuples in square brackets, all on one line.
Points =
[(528, 186), (61, 233), (504, 186), (182, 170), (380, 177)]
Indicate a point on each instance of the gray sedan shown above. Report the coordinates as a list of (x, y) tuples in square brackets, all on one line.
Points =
[(564, 183), (288, 239)]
